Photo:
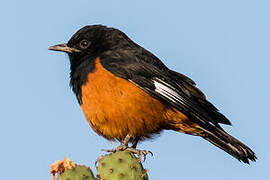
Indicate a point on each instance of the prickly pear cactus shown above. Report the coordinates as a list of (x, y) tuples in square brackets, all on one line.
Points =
[(78, 172), (121, 165)]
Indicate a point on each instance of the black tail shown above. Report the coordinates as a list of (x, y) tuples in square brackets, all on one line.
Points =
[(231, 145)]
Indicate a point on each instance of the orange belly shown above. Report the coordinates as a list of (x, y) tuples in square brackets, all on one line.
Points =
[(115, 107)]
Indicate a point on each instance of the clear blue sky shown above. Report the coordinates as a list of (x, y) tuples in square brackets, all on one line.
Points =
[(223, 45)]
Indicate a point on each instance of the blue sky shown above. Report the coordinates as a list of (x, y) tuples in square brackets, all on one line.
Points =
[(222, 45)]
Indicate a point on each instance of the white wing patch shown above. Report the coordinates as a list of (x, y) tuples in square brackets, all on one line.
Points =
[(166, 90)]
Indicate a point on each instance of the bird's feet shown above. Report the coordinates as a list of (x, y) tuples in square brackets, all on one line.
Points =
[(139, 152), (124, 147)]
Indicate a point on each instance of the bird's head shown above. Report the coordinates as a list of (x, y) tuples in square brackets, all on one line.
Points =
[(91, 41)]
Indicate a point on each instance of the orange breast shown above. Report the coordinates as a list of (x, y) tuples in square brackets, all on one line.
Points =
[(115, 107)]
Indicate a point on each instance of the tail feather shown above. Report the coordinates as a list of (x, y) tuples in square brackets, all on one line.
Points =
[(231, 145)]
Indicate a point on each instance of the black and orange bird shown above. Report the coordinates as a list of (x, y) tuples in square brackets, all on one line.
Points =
[(128, 94)]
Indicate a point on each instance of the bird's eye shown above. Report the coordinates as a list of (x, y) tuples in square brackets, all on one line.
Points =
[(84, 44)]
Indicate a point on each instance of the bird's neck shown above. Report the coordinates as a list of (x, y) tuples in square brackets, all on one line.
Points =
[(78, 75)]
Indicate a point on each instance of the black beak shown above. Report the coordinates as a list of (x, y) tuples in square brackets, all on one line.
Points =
[(63, 48)]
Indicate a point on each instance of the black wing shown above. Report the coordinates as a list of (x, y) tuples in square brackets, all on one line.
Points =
[(148, 73)]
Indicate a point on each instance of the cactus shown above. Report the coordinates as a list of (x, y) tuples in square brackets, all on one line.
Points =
[(79, 172), (121, 165), (68, 170)]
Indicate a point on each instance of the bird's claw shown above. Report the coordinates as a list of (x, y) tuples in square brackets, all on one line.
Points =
[(124, 147), (139, 152), (98, 159)]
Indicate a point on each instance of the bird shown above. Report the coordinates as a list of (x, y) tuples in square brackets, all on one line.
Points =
[(128, 94)]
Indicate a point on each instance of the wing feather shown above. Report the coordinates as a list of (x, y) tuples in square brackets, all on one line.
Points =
[(166, 85)]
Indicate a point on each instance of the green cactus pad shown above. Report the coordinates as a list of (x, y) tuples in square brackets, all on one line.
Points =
[(77, 173), (121, 165)]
